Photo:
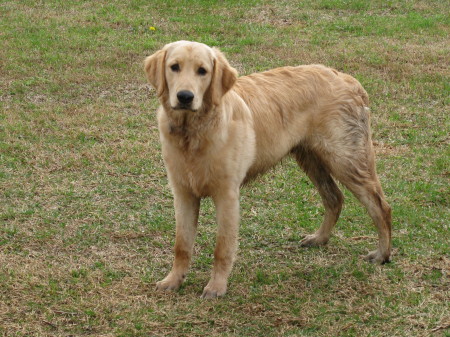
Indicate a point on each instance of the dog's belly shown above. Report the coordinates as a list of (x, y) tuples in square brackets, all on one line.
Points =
[(265, 159), (275, 138)]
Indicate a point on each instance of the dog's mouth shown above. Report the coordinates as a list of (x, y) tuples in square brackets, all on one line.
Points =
[(184, 107)]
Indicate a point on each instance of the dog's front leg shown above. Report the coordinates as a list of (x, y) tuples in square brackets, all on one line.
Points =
[(227, 214), (186, 217)]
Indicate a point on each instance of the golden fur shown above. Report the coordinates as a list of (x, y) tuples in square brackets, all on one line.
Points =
[(219, 131)]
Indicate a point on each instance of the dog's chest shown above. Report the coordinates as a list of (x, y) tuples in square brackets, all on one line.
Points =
[(198, 173)]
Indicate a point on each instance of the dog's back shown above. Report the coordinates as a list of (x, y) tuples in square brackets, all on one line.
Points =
[(291, 104)]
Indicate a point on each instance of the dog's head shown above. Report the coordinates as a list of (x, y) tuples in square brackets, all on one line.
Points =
[(189, 75)]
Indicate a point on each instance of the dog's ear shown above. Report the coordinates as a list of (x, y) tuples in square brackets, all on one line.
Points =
[(224, 77), (154, 67)]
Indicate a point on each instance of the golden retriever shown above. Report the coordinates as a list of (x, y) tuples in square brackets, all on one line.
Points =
[(219, 131)]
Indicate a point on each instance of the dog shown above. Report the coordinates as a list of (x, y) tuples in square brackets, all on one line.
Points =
[(219, 131)]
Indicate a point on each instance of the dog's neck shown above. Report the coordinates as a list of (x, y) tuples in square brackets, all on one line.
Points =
[(190, 129)]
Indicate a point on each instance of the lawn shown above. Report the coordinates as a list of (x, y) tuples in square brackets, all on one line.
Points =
[(86, 215)]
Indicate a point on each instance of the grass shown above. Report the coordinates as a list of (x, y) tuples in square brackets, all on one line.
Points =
[(86, 216)]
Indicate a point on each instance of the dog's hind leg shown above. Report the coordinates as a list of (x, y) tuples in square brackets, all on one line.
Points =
[(361, 179), (332, 197), (351, 160)]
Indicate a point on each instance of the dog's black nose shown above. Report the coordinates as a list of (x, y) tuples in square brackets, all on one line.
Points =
[(185, 96)]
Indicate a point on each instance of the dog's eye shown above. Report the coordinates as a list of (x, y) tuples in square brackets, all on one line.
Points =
[(175, 67), (201, 71)]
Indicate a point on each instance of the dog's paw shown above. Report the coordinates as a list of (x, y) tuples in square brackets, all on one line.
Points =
[(170, 283), (376, 257), (313, 240), (214, 290)]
